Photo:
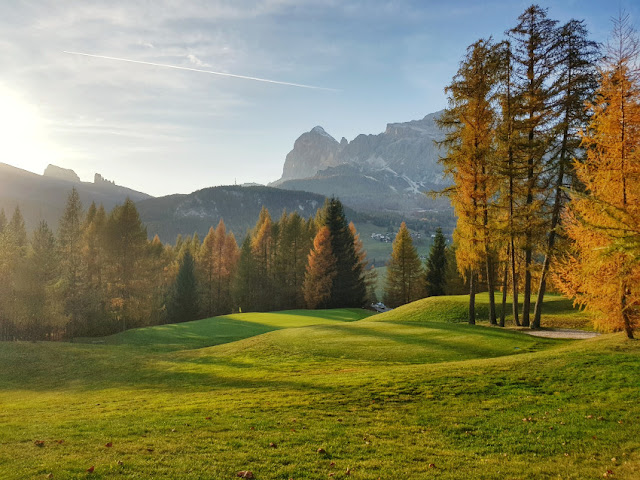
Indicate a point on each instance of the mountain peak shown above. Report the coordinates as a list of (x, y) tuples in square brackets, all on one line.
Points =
[(321, 131), (53, 171)]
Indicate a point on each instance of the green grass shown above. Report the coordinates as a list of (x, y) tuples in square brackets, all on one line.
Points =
[(384, 396), (226, 328)]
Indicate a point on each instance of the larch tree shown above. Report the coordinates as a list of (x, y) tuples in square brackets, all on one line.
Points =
[(70, 249), (602, 272), (534, 42), (436, 266), (321, 271), (574, 85), (404, 271), (469, 122)]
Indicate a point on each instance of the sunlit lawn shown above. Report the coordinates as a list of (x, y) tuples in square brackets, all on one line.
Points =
[(385, 397)]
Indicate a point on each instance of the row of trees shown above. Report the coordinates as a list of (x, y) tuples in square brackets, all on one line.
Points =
[(99, 273), (516, 148)]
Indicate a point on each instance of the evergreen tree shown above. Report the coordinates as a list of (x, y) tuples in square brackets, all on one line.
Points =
[(183, 306), (321, 271), (368, 273), (348, 289), (404, 271), (436, 265)]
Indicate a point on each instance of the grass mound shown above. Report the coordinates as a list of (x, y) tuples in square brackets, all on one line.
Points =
[(227, 328)]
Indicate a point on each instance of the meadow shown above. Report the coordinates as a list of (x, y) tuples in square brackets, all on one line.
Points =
[(412, 393)]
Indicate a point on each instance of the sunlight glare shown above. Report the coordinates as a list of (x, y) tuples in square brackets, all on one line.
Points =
[(24, 144)]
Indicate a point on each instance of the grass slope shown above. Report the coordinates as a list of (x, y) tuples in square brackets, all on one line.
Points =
[(227, 328), (384, 397)]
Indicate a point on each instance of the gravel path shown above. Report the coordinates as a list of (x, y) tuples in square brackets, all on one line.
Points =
[(561, 333)]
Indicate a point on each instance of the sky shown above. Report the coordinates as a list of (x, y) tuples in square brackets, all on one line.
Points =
[(164, 130)]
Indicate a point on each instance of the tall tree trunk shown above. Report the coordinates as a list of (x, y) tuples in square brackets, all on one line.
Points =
[(625, 313), (491, 286), (503, 311), (555, 221), (472, 298)]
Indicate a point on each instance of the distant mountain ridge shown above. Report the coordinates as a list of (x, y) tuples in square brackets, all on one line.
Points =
[(43, 197), (239, 207), (385, 172)]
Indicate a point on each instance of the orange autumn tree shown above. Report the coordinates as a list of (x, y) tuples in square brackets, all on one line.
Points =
[(602, 272), (321, 270), (469, 122)]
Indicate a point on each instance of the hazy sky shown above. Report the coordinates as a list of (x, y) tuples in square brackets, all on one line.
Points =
[(164, 131)]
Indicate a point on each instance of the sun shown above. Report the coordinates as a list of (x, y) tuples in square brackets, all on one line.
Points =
[(24, 144)]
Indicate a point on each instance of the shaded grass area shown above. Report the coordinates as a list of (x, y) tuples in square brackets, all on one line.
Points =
[(385, 397), (226, 328)]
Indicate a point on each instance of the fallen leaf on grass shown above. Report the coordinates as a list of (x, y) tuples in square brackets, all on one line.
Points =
[(608, 473), (50, 475), (120, 462), (108, 444), (91, 469), (245, 474), (321, 450), (432, 465), (348, 471), (332, 464), (273, 445), (207, 418), (59, 442)]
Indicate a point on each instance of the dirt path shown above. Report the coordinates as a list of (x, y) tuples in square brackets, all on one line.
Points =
[(561, 333)]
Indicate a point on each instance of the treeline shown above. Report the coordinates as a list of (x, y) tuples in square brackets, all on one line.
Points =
[(533, 121), (99, 274)]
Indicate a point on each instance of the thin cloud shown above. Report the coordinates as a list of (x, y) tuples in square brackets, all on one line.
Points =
[(196, 61), (211, 72)]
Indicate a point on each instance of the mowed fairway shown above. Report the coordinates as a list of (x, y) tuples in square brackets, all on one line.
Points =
[(406, 394)]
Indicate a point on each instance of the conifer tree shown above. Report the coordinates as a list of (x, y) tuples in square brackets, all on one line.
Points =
[(183, 306), (348, 289), (436, 265), (246, 282), (70, 250), (126, 247), (574, 86), (470, 140), (534, 54), (404, 271), (602, 271), (321, 271), (368, 274)]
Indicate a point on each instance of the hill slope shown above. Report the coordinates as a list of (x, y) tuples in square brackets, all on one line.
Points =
[(43, 197)]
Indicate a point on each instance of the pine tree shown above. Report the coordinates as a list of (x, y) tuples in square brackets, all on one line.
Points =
[(436, 265), (321, 272), (368, 274), (404, 271), (348, 289), (602, 271), (183, 306)]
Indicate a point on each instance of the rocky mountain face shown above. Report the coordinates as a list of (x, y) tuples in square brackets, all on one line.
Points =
[(389, 171), (43, 197)]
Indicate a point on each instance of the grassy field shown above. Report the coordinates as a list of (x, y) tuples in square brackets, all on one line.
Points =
[(411, 393)]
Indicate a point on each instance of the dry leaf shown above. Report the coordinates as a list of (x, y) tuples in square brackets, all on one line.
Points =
[(108, 444), (91, 469), (245, 474)]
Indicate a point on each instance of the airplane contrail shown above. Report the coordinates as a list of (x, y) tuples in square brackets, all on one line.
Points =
[(244, 77)]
